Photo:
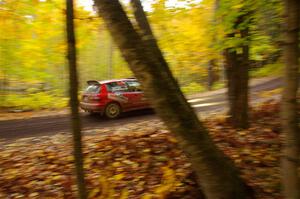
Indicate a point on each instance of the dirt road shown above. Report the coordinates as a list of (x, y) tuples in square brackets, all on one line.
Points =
[(203, 103)]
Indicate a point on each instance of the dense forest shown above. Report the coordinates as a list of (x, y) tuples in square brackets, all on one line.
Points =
[(248, 147), (192, 36)]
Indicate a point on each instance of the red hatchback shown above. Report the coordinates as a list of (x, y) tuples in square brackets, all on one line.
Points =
[(112, 97)]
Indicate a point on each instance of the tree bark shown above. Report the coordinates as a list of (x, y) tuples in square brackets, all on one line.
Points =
[(147, 35), (237, 67), (141, 19), (243, 107), (290, 117), (230, 69), (212, 76), (75, 120), (110, 58), (216, 174)]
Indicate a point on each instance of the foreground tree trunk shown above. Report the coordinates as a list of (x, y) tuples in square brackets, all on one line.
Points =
[(216, 174), (290, 118), (76, 124), (237, 67), (147, 35)]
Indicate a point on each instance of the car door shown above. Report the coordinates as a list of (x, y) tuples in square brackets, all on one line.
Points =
[(134, 88), (118, 91)]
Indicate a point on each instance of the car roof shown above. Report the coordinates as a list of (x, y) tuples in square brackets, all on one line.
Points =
[(108, 81)]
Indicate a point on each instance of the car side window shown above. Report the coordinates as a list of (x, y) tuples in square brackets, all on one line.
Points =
[(133, 86), (117, 86)]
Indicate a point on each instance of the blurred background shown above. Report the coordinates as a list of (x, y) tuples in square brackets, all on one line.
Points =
[(33, 67)]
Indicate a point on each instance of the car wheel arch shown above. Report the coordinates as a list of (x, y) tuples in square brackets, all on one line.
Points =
[(113, 102)]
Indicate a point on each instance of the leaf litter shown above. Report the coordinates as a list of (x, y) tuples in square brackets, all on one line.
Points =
[(140, 160)]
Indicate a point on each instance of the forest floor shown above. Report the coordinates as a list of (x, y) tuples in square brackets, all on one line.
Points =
[(140, 160)]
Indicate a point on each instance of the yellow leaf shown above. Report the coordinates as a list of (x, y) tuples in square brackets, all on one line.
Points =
[(124, 194), (147, 196), (238, 6), (119, 176), (94, 192), (57, 177), (116, 164)]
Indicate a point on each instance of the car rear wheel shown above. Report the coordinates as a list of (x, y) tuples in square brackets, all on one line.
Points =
[(112, 110)]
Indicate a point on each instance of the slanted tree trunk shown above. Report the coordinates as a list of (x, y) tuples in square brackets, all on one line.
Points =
[(216, 174), (141, 20), (290, 118), (75, 120), (237, 66), (146, 33)]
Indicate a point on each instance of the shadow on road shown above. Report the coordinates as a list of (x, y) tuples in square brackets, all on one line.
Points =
[(126, 115), (51, 125)]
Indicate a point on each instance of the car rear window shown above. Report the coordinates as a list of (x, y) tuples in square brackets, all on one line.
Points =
[(93, 89)]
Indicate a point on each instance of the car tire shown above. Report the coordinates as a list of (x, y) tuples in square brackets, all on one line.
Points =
[(112, 110)]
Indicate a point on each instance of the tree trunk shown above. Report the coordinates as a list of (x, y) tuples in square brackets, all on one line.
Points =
[(76, 124), (242, 121), (230, 69), (110, 58), (147, 35), (237, 67), (216, 174), (237, 84), (141, 19), (290, 118), (212, 76)]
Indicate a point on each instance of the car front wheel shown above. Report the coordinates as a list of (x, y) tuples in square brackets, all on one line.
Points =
[(112, 110)]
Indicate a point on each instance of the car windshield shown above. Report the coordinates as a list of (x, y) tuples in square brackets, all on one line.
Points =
[(93, 89), (117, 86)]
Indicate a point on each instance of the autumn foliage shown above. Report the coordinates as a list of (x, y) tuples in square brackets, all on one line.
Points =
[(140, 161)]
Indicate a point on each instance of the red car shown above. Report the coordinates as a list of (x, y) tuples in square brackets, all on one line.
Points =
[(112, 97)]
